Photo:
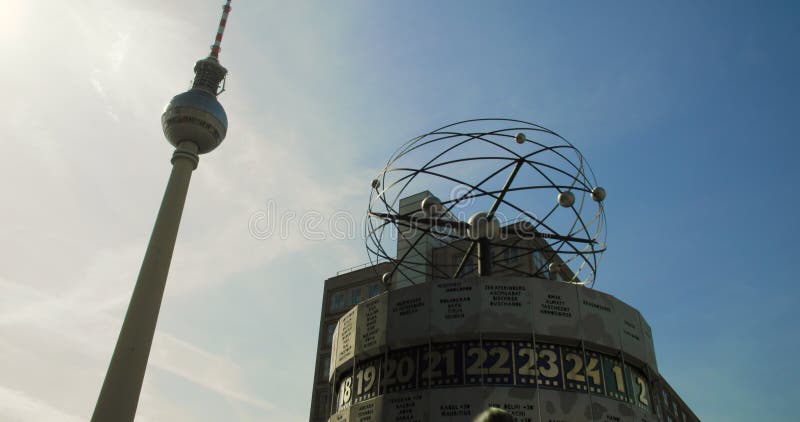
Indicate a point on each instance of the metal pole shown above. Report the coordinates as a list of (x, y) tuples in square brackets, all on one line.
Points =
[(484, 257), (123, 383)]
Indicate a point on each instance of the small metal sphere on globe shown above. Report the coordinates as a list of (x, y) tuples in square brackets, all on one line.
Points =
[(520, 138), (386, 278), (598, 194), (195, 116), (482, 227), (554, 267), (376, 183), (566, 199), (431, 207)]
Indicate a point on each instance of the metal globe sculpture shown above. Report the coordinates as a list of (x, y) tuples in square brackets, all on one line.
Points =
[(483, 197)]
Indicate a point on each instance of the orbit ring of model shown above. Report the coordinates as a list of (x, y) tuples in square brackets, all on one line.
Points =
[(517, 189)]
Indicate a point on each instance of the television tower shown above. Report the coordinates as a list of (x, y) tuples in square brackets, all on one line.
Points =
[(195, 123)]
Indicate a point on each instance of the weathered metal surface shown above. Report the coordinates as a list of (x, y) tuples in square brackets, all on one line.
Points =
[(647, 332), (456, 406), (632, 337), (367, 411), (408, 319), (521, 403), (455, 308), (505, 307), (555, 309), (448, 349), (557, 405), (346, 337), (600, 321), (371, 325), (406, 407)]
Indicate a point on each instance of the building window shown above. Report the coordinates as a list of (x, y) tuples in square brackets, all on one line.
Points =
[(337, 302), (329, 334), (355, 296), (373, 290), (511, 256)]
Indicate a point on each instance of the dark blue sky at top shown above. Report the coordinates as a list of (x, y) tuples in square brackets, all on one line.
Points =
[(686, 111)]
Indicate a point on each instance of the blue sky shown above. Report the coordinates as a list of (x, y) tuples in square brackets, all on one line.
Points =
[(685, 111)]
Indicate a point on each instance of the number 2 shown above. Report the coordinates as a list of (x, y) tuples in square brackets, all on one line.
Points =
[(502, 358), (480, 354), (643, 393), (527, 368), (574, 374)]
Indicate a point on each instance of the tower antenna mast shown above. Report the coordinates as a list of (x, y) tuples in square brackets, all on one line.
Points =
[(222, 22), (194, 122)]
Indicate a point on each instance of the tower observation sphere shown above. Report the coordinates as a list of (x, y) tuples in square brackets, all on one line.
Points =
[(196, 115)]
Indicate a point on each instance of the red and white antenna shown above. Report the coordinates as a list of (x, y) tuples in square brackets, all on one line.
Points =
[(223, 20), (209, 75)]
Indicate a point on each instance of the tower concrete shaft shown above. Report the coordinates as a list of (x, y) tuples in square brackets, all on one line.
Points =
[(119, 395), (195, 123)]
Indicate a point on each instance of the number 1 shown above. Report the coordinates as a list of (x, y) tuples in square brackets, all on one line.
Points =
[(619, 378)]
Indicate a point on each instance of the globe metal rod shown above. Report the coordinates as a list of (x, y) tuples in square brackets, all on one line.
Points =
[(119, 395), (484, 253), (523, 232), (484, 257), (413, 221)]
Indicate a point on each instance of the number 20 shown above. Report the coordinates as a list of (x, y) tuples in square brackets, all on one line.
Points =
[(401, 372)]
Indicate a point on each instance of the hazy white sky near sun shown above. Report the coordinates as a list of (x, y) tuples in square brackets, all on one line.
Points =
[(86, 167), (319, 95)]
